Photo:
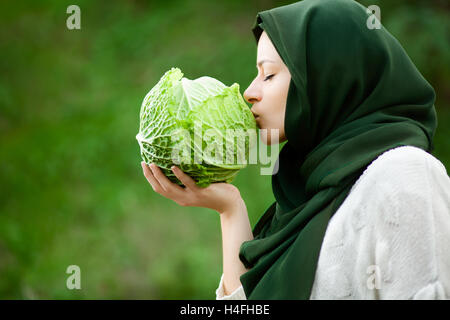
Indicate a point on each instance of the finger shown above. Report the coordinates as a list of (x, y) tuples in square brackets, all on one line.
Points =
[(168, 185), (184, 178), (151, 179)]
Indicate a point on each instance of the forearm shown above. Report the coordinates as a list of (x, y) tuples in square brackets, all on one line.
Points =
[(235, 230)]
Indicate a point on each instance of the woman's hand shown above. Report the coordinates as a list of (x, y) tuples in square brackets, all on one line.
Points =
[(221, 197)]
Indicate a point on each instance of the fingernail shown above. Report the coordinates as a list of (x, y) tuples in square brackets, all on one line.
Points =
[(173, 168)]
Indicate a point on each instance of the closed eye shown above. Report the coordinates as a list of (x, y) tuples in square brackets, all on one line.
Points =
[(268, 77)]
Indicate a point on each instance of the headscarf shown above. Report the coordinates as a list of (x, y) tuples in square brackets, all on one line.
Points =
[(354, 94)]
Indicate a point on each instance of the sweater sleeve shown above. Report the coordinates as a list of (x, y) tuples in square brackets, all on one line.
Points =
[(412, 236), (237, 294), (390, 237), (439, 183)]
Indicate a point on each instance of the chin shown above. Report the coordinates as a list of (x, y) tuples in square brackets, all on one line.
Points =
[(268, 137)]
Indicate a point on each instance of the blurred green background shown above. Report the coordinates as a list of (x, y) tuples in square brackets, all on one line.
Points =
[(71, 185)]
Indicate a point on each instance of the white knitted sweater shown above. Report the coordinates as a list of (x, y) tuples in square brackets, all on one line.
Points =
[(390, 238)]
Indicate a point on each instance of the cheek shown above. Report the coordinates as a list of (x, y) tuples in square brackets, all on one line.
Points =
[(277, 97), (274, 100), (272, 116), (275, 112), (274, 119)]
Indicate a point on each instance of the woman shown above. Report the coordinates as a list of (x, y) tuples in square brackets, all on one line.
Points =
[(362, 208)]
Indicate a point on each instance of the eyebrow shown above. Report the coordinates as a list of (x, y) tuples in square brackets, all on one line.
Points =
[(260, 63)]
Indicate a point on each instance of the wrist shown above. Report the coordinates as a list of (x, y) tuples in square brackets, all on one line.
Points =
[(234, 208)]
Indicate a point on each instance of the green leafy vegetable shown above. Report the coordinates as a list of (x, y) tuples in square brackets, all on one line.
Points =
[(201, 125)]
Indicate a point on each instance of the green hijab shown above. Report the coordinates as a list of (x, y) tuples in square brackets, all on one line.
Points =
[(354, 94)]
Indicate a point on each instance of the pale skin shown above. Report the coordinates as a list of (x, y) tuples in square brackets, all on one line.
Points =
[(267, 93)]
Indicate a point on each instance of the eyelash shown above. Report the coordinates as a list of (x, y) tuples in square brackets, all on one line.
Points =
[(268, 77)]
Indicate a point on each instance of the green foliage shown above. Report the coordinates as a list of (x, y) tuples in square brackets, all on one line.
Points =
[(71, 187), (200, 125)]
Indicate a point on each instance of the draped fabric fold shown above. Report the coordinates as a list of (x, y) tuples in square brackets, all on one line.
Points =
[(354, 94)]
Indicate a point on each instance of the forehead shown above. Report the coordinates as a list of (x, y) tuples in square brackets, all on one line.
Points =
[(266, 49)]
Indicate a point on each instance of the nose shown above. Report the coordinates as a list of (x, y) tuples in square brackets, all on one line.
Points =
[(252, 94)]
